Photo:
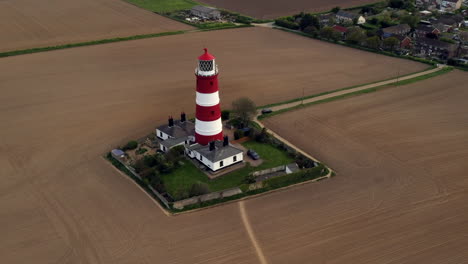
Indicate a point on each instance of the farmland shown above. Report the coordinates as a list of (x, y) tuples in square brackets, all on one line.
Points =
[(264, 9), (399, 198), (30, 24), (62, 110)]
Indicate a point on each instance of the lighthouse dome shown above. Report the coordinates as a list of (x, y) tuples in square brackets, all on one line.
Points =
[(206, 65)]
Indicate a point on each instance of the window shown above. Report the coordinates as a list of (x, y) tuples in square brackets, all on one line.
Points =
[(201, 158), (234, 159), (206, 65), (221, 163), (160, 134), (211, 83)]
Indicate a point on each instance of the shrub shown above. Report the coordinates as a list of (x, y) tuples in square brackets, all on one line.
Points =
[(238, 134), (286, 23), (250, 179), (131, 145), (149, 161), (141, 151), (263, 136), (199, 188), (225, 114), (181, 194)]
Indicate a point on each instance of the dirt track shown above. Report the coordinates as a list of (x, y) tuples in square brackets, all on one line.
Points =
[(267, 9), (400, 196), (60, 110), (31, 23)]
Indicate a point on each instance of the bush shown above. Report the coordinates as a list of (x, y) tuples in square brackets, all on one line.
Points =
[(181, 194), (141, 151), (149, 161), (130, 145), (250, 179), (225, 114), (286, 23), (199, 188), (263, 136), (238, 134)]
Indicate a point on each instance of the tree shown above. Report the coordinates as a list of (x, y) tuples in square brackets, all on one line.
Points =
[(326, 32), (391, 43), (225, 114), (355, 36), (396, 3), (336, 36), (199, 188), (244, 109), (411, 20), (309, 20), (311, 30), (131, 145), (336, 9), (373, 42)]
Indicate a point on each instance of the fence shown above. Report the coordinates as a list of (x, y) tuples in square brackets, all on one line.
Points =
[(207, 197), (153, 191)]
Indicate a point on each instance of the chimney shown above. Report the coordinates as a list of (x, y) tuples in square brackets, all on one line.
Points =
[(212, 145), (171, 121), (183, 118), (225, 141)]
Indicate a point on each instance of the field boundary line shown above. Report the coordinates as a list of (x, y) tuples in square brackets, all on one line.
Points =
[(250, 233)]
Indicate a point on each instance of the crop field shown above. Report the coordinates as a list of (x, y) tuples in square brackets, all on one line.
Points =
[(60, 111), (401, 190), (29, 24), (264, 9)]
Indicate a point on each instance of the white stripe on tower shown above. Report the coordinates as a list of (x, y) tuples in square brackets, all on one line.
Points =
[(209, 128), (207, 99)]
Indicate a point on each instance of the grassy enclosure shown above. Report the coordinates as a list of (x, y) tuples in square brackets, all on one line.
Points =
[(164, 6), (188, 174)]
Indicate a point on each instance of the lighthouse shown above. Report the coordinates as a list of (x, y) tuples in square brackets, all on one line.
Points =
[(208, 125)]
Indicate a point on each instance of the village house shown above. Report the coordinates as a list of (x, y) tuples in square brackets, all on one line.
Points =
[(422, 30), (175, 133), (405, 42), (401, 30), (450, 5), (206, 12), (435, 48), (349, 18), (216, 155), (340, 29), (326, 19)]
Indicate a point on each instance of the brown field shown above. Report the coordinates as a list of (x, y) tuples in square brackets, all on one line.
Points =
[(30, 23), (265, 9), (61, 110), (401, 193)]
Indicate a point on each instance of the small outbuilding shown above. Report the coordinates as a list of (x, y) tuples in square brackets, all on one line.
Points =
[(206, 12)]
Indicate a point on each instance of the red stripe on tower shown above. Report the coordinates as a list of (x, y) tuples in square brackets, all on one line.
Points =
[(208, 126)]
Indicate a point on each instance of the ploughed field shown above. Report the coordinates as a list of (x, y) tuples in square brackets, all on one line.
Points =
[(400, 196), (265, 9), (61, 110), (30, 24)]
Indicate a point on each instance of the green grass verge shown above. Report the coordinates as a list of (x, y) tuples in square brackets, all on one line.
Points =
[(269, 185), (185, 176), (88, 43), (164, 6), (370, 90), (338, 90)]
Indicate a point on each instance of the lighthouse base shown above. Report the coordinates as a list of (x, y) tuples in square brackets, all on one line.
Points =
[(205, 140)]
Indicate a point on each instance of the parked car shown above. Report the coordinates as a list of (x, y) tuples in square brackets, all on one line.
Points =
[(266, 111), (254, 155)]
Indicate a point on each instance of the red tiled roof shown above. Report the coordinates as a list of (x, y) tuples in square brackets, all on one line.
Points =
[(340, 29)]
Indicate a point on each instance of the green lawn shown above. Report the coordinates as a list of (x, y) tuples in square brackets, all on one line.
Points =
[(164, 6), (188, 174)]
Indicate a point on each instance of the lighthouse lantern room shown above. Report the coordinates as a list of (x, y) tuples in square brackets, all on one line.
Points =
[(208, 125)]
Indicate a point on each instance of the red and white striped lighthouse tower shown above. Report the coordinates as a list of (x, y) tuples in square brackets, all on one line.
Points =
[(208, 126)]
